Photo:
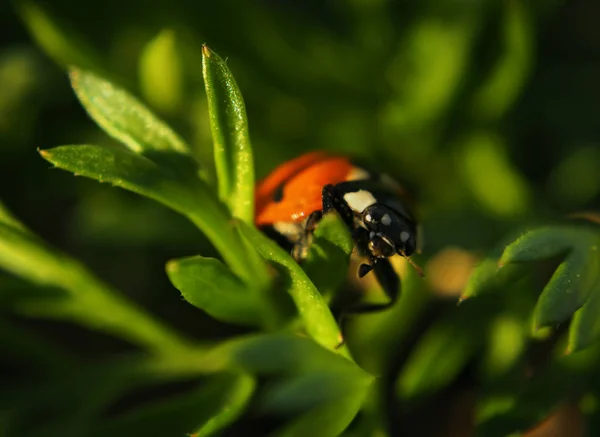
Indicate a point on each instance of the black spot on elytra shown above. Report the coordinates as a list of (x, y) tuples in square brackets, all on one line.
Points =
[(278, 194)]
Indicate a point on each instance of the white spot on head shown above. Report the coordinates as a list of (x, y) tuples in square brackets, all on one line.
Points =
[(404, 236), (359, 200), (368, 218), (386, 220)]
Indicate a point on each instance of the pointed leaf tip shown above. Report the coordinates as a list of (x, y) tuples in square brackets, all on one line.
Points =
[(234, 162)]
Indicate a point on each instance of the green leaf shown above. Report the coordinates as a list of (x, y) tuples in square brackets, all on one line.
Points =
[(277, 353), (82, 393), (329, 254), (307, 391), (585, 326), (232, 149), (375, 338), (86, 299), (314, 312), (25, 347), (541, 244), (161, 72), (444, 349), (482, 278), (426, 72), (125, 170), (209, 285), (509, 73), (492, 178), (574, 279), (63, 45), (123, 117), (9, 220), (141, 175), (325, 420), (517, 407), (213, 404), (233, 404), (568, 289)]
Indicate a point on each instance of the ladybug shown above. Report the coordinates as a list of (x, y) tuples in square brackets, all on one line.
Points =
[(295, 196)]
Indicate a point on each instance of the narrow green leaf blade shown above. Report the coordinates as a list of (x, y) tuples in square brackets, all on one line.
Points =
[(540, 244), (444, 349), (313, 310), (141, 175), (329, 254), (325, 420), (481, 279), (568, 289), (585, 327), (123, 169), (123, 116), (278, 353), (232, 149), (233, 404), (86, 300), (8, 219), (510, 71), (181, 415), (209, 285), (307, 391)]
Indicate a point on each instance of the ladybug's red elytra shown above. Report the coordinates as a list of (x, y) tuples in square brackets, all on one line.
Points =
[(295, 196)]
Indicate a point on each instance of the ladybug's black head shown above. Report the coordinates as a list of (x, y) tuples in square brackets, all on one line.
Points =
[(389, 232)]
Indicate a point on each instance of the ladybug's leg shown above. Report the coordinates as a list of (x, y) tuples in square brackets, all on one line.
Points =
[(333, 200), (389, 281), (384, 272), (300, 249)]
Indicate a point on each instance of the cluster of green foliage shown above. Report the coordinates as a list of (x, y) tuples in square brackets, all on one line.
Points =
[(522, 336)]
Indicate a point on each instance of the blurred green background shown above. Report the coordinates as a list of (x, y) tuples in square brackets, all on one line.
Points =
[(487, 110)]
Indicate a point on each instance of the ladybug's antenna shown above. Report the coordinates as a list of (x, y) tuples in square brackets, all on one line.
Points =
[(418, 269)]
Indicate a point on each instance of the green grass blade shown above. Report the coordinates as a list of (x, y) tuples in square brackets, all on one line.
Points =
[(138, 174), (318, 320), (232, 149), (123, 116), (87, 300)]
